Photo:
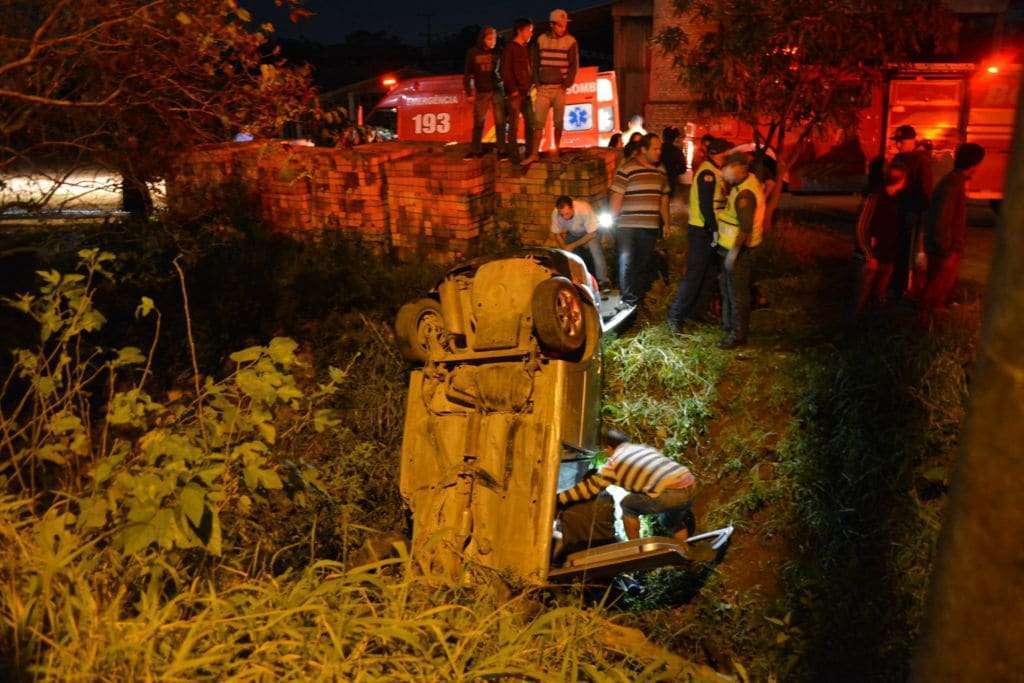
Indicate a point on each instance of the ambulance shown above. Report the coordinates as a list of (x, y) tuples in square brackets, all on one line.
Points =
[(435, 109)]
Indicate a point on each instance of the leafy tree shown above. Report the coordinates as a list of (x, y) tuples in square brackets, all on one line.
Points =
[(128, 84), (790, 68)]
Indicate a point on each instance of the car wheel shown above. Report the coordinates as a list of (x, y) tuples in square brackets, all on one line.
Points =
[(558, 315), (419, 325)]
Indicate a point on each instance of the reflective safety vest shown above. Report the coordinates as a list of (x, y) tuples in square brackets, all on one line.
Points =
[(696, 217), (729, 220)]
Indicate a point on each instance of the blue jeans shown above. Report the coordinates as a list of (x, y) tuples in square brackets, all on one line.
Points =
[(700, 280), (592, 254), (636, 258)]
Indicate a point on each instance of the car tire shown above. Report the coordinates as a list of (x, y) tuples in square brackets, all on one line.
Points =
[(558, 316), (418, 322)]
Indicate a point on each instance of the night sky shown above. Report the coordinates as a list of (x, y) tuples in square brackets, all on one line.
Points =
[(405, 18)]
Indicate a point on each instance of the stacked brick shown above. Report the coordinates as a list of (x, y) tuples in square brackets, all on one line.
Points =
[(524, 200), (419, 200), (209, 174), (285, 187), (349, 189), (440, 204)]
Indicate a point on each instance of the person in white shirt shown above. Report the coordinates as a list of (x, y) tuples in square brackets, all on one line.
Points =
[(574, 225)]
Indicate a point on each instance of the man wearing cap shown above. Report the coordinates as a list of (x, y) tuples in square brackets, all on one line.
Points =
[(740, 224), (913, 202), (707, 196), (945, 228), (556, 59)]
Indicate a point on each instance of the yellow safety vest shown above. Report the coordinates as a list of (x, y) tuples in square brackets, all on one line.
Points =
[(696, 217), (729, 220)]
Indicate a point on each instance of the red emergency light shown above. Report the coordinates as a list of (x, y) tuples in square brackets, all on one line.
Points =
[(389, 81), (993, 69)]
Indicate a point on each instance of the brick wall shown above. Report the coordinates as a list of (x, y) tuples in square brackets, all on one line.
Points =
[(667, 98), (415, 200)]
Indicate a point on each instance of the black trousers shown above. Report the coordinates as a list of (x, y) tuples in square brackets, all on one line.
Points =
[(736, 294), (700, 279), (519, 107)]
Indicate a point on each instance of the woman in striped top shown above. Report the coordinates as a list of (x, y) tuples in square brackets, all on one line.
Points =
[(656, 484)]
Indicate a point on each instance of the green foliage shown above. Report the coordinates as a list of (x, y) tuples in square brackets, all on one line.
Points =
[(156, 473), (867, 460), (660, 386), (153, 534)]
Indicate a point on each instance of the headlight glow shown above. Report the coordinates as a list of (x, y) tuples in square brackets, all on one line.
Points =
[(604, 219)]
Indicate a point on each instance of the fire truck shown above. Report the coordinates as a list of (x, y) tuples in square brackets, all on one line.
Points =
[(435, 109), (947, 103)]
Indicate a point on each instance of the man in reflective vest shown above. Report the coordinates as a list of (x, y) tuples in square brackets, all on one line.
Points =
[(740, 224), (707, 196)]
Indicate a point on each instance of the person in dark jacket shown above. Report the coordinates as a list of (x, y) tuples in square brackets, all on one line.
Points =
[(672, 158), (913, 204), (482, 82), (700, 281), (878, 230), (945, 228), (556, 56), (517, 78)]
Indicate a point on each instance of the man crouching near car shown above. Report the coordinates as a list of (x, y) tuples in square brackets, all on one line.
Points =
[(656, 484)]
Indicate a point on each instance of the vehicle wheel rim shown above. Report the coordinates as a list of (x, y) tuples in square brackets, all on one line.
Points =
[(568, 313), (429, 330)]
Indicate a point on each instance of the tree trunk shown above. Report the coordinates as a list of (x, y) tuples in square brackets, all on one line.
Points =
[(974, 620)]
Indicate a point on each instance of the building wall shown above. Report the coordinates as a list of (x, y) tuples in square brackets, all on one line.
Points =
[(667, 99)]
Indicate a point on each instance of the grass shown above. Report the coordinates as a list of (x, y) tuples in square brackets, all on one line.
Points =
[(323, 622), (830, 453), (828, 449)]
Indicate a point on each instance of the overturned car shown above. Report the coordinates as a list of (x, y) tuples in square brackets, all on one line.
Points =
[(503, 413)]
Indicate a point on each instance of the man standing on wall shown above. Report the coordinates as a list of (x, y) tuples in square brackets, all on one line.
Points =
[(483, 87), (639, 204), (517, 77), (556, 57)]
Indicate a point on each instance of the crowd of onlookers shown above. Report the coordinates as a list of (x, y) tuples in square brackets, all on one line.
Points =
[(910, 236)]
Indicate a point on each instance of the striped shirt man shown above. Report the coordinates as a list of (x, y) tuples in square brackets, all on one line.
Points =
[(636, 468), (642, 187)]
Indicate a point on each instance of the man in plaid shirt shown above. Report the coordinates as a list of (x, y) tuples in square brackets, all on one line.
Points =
[(656, 484)]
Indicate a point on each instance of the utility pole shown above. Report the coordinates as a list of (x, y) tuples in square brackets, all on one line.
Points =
[(973, 621)]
